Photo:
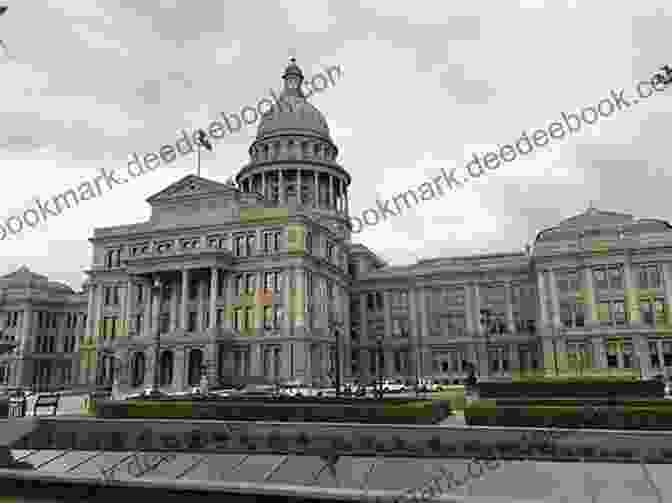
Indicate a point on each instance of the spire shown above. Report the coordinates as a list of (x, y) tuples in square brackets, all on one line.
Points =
[(293, 78)]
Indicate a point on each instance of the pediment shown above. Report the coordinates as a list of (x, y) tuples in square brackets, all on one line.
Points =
[(188, 187), (595, 218)]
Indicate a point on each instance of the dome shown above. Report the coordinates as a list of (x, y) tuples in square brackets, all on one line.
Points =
[(293, 114)]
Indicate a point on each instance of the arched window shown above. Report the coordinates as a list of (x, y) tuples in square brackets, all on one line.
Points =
[(195, 364), (138, 369), (166, 368)]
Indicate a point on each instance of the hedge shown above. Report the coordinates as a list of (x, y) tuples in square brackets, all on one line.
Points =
[(411, 412), (627, 416), (550, 389)]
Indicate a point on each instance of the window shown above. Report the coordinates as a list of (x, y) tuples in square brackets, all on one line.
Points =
[(603, 313), (667, 354), (330, 289), (238, 319), (653, 352), (192, 321), (251, 241), (650, 276), (164, 323), (618, 313), (250, 282), (240, 285), (600, 276), (615, 277), (370, 300), (140, 294), (310, 287), (330, 251), (249, 318), (309, 243), (272, 241), (272, 281), (238, 246), (268, 317), (193, 290), (627, 355)]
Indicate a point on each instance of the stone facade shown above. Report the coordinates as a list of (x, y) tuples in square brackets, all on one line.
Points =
[(261, 279), (45, 320)]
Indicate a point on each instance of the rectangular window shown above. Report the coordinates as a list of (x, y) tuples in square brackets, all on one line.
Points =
[(220, 318), (238, 319), (660, 312), (249, 318), (238, 246), (251, 241), (618, 313), (603, 313), (653, 352), (330, 251), (268, 242), (616, 278), (566, 314), (309, 243), (268, 317), (601, 279), (646, 313), (192, 321), (193, 290), (250, 282), (240, 285)]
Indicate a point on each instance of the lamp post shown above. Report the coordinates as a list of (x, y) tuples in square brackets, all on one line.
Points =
[(156, 290), (379, 343)]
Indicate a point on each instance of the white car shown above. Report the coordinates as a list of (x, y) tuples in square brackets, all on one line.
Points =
[(300, 390), (394, 387)]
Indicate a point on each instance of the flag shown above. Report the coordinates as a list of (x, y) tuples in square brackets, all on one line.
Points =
[(202, 139)]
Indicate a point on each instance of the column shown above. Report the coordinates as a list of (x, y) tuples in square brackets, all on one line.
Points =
[(599, 352), (228, 311), (364, 356), (414, 347), (298, 186), (123, 316), (387, 313), (346, 335), (179, 368), (555, 302), (173, 305), (589, 297), (300, 296), (91, 312), (631, 293), (469, 310), (347, 204), (202, 308), (667, 285), (129, 305), (255, 359), (281, 188), (147, 317), (508, 294), (317, 189), (331, 198), (214, 277), (481, 346), (184, 308), (287, 302), (543, 302), (156, 309), (640, 345), (263, 184)]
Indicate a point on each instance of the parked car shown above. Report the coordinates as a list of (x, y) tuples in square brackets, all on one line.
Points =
[(258, 390), (354, 389), (397, 386), (298, 389)]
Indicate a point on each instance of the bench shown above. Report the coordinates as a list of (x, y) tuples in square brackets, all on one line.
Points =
[(49, 400)]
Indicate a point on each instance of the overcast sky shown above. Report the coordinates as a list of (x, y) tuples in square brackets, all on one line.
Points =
[(425, 84)]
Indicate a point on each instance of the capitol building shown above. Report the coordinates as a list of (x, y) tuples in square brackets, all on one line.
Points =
[(260, 279)]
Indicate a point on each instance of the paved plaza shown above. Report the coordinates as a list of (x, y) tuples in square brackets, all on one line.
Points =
[(514, 481)]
